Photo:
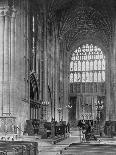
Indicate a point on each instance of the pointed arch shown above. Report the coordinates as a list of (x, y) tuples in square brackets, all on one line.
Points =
[(34, 92)]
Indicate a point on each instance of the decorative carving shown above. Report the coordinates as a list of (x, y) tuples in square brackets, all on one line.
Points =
[(7, 12), (7, 125)]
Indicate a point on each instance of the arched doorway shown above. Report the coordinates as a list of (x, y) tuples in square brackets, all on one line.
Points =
[(87, 83)]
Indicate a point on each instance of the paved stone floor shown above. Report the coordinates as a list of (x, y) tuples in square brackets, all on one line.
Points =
[(74, 146), (57, 148)]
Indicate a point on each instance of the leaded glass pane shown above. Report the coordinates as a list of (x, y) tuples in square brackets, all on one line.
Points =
[(87, 77), (83, 48), (91, 48), (91, 65), (97, 56), (79, 77), (85, 57), (95, 65), (71, 77), (75, 77), (99, 64), (71, 66), (87, 65), (103, 64), (83, 66), (79, 65), (95, 76), (83, 76), (87, 48), (103, 76), (73, 57), (95, 48), (76, 57), (79, 49), (75, 66), (89, 56), (99, 76), (91, 77)]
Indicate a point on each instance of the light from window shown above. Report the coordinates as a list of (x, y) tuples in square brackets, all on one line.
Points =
[(87, 64)]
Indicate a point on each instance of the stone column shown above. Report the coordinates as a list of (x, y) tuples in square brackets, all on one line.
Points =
[(1, 58), (77, 109), (6, 91), (108, 106), (56, 75), (45, 59), (12, 71), (45, 77), (113, 76)]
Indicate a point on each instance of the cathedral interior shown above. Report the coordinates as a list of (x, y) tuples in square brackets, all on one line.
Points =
[(57, 66)]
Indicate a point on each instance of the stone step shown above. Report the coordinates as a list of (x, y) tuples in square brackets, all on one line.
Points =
[(90, 149)]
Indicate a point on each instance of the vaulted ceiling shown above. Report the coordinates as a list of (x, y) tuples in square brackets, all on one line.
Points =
[(82, 20)]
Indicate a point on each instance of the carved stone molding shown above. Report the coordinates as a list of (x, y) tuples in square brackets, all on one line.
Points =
[(7, 12)]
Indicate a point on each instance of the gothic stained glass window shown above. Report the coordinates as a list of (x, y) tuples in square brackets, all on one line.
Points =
[(87, 77), (87, 64)]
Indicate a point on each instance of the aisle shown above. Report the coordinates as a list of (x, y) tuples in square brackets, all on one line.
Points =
[(73, 146), (56, 149)]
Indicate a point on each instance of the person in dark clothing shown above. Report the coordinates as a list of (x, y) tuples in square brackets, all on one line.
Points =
[(68, 127), (89, 133), (81, 124)]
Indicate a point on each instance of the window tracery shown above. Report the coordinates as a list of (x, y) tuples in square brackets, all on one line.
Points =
[(89, 63)]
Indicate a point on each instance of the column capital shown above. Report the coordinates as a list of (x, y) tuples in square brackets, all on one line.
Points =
[(1, 11), (6, 11)]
